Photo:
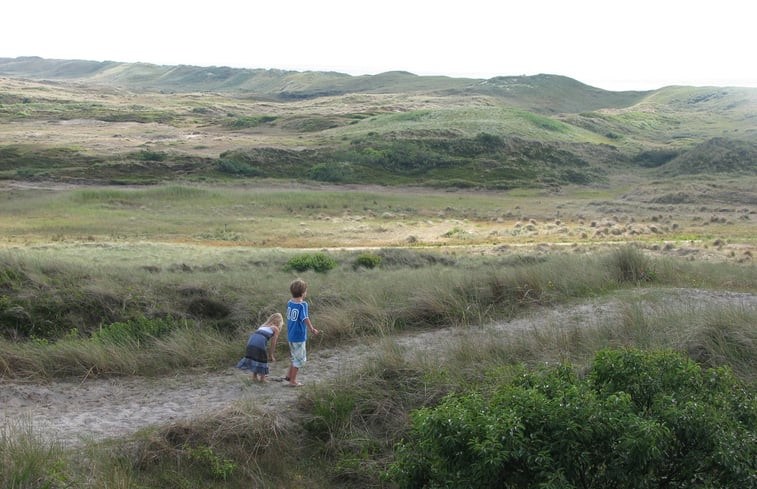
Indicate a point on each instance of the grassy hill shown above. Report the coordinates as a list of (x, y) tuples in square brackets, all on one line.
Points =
[(80, 120), (547, 93)]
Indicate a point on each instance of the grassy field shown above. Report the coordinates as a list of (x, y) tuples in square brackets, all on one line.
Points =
[(668, 214)]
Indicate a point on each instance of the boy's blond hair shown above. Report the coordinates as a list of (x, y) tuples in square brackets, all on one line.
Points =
[(298, 288)]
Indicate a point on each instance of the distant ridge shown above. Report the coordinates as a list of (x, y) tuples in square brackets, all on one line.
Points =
[(562, 94)]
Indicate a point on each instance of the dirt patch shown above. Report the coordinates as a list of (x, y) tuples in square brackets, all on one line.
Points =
[(97, 409)]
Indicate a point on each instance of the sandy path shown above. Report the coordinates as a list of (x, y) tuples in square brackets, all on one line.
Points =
[(104, 408)]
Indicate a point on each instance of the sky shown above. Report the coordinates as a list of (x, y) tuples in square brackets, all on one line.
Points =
[(610, 44)]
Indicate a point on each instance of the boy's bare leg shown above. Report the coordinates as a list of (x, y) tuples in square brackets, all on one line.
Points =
[(293, 375)]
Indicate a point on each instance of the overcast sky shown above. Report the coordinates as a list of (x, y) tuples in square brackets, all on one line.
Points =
[(615, 45)]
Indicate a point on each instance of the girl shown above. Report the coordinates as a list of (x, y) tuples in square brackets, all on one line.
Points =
[(255, 356)]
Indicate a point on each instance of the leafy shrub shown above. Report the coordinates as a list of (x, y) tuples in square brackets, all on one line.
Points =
[(320, 262), (639, 419), (367, 260)]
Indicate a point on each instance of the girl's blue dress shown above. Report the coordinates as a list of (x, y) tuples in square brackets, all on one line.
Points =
[(255, 355)]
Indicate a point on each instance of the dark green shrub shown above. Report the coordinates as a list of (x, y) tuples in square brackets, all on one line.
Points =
[(320, 262), (638, 420), (367, 260)]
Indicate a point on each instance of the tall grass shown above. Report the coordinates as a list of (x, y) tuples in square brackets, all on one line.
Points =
[(29, 460), (81, 357), (713, 334), (214, 307)]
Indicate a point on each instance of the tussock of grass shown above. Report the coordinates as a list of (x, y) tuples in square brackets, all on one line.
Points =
[(29, 460), (234, 448)]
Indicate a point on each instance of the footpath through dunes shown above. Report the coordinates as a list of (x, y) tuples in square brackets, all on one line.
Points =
[(97, 409)]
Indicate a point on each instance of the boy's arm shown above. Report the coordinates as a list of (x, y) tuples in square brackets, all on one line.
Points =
[(310, 326)]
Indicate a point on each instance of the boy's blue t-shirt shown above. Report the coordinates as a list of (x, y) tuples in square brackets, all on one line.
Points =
[(297, 330)]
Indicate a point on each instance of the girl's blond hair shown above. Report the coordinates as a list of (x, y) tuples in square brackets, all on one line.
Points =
[(275, 319)]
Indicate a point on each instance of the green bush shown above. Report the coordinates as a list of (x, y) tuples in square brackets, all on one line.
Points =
[(638, 420), (320, 262), (367, 260)]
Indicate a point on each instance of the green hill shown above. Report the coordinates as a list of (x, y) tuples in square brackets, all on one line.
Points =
[(136, 122), (540, 93)]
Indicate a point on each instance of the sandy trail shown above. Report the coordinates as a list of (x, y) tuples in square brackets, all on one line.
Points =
[(97, 409)]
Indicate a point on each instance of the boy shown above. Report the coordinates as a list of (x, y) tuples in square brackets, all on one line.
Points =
[(298, 324)]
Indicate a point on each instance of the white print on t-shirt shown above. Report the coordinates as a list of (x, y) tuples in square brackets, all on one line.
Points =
[(293, 314)]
